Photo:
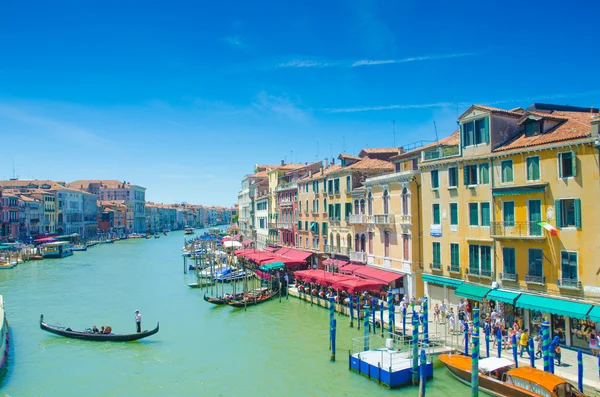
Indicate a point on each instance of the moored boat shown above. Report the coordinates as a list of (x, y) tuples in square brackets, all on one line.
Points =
[(188, 230), (253, 298), (91, 336), (498, 377), (57, 249), (222, 300), (78, 247), (4, 336)]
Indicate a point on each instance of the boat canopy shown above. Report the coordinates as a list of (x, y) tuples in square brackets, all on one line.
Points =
[(272, 266), (493, 363)]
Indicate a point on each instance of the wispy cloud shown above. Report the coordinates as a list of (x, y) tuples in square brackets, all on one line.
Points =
[(279, 106), (236, 42), (388, 107), (324, 63)]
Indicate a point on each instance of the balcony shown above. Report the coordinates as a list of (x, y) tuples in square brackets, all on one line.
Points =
[(273, 225), (387, 262), (509, 277), (286, 186), (285, 203), (384, 219), (357, 219), (537, 280), (358, 256), (404, 219), (285, 225), (566, 283), (436, 266), (453, 269), (272, 241), (516, 230), (472, 271), (440, 152), (487, 273), (337, 250), (334, 222)]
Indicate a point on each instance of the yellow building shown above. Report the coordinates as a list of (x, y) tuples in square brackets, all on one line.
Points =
[(274, 174), (492, 204)]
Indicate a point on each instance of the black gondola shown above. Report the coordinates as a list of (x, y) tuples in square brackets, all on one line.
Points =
[(224, 300), (88, 335), (249, 301)]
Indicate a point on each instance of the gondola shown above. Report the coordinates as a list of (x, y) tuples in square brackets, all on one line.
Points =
[(224, 300), (88, 335), (250, 301)]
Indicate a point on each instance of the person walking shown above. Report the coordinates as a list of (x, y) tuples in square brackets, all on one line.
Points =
[(138, 321), (524, 342)]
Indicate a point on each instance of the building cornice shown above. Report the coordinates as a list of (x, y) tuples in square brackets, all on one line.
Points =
[(404, 176)]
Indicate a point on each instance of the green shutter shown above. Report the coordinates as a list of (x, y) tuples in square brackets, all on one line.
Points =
[(487, 130), (462, 135), (577, 206), (299, 225), (558, 213), (574, 164), (324, 228), (466, 175), (485, 214)]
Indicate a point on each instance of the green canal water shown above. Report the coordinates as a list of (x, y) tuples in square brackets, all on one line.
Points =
[(276, 349)]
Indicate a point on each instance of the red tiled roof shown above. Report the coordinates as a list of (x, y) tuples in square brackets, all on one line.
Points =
[(572, 125), (514, 112), (326, 171), (451, 140), (368, 164)]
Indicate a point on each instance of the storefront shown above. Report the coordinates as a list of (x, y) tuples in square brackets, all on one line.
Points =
[(504, 303), (568, 319), (439, 289), (476, 295)]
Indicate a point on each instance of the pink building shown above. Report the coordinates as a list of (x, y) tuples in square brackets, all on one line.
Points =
[(11, 211)]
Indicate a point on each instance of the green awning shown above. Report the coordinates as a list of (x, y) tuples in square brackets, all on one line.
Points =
[(5, 247), (595, 314), (554, 306), (450, 282), (502, 296), (472, 291), (272, 266), (518, 190)]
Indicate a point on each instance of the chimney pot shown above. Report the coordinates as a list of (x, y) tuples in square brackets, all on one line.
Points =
[(282, 162)]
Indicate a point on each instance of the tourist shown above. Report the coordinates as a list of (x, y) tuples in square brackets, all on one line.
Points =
[(95, 330), (557, 351), (102, 329), (452, 320), (443, 310), (524, 342), (138, 321), (539, 347), (594, 343), (436, 313)]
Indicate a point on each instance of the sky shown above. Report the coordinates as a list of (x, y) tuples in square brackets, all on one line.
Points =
[(184, 97)]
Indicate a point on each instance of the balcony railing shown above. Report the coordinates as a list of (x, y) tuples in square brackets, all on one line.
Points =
[(285, 225), (272, 225), (358, 256), (404, 219), (285, 203), (453, 269), (487, 273), (334, 222), (356, 219), (519, 229), (440, 152), (286, 186), (538, 280), (567, 283), (435, 266), (509, 277), (337, 250), (384, 219), (472, 271)]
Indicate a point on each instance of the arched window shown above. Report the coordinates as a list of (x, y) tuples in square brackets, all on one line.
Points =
[(363, 243), (405, 249), (386, 244), (405, 202), (370, 203), (349, 241), (371, 243), (356, 242), (338, 240), (362, 206), (331, 239), (356, 207), (386, 199)]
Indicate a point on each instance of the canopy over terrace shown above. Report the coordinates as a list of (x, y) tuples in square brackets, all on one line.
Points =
[(356, 285), (246, 243), (337, 263), (321, 277), (295, 254), (377, 274), (350, 268)]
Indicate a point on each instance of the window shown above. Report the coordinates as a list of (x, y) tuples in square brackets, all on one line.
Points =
[(508, 260), (485, 214), (468, 134), (474, 259), (508, 213), (437, 254), (507, 171), (404, 201), (386, 244), (415, 164), (330, 187), (532, 128), (470, 174), (299, 206), (568, 213), (348, 208), (348, 186), (454, 213), (533, 168), (568, 265), (306, 225), (435, 181), (481, 131), (453, 177), (476, 132), (486, 260), (484, 171), (436, 214), (567, 165), (336, 185), (324, 228), (473, 214), (535, 262), (386, 203), (300, 225), (454, 256), (405, 249)]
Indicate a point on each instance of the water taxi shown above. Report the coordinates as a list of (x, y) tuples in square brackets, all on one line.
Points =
[(57, 249), (188, 230), (499, 377)]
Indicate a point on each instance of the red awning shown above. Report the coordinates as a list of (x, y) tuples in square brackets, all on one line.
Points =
[(335, 262), (227, 238), (271, 249), (290, 263), (237, 237), (247, 242), (45, 240), (330, 280), (294, 254), (356, 285), (350, 268), (377, 274)]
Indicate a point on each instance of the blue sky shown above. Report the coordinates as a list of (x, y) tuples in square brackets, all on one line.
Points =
[(184, 97)]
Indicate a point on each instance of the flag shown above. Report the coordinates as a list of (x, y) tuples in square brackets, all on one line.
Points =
[(551, 229)]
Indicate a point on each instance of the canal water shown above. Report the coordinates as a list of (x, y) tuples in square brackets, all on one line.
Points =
[(275, 349)]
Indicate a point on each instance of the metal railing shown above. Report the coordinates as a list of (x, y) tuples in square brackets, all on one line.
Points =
[(356, 256), (435, 266), (337, 250), (453, 269), (515, 229), (404, 219), (568, 283), (487, 273), (440, 152), (539, 280), (384, 219), (509, 277)]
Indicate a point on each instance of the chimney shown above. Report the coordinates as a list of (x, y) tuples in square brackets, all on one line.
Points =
[(309, 173), (595, 122), (321, 170), (326, 162), (333, 161), (282, 162)]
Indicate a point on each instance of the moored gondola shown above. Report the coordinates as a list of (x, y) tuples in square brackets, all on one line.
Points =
[(253, 300), (89, 335), (223, 300)]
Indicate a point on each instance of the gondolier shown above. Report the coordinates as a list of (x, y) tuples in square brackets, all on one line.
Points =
[(138, 321)]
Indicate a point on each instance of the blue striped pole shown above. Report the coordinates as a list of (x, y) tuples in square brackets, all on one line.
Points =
[(499, 340), (350, 299), (358, 311), (466, 327), (425, 321), (531, 353), (415, 348), (333, 331), (487, 340), (404, 320), (331, 317), (514, 350), (579, 370), (381, 316), (546, 345), (366, 329), (390, 302), (475, 354), (551, 359), (373, 303), (598, 366), (423, 373)]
